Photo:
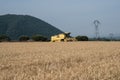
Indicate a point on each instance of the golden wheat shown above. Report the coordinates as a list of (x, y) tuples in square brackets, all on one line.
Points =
[(60, 61)]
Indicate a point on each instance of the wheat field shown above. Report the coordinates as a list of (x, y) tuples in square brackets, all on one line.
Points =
[(60, 61)]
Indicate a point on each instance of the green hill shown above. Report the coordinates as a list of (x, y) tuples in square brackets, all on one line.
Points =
[(17, 25)]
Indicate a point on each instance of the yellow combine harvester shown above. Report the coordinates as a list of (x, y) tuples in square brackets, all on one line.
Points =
[(64, 37)]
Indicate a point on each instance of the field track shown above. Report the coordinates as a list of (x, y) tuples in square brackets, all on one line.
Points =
[(60, 61)]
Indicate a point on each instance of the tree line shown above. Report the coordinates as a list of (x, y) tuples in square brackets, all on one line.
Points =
[(37, 37), (24, 38)]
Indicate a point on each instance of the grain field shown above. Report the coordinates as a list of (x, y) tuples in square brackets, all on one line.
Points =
[(60, 61)]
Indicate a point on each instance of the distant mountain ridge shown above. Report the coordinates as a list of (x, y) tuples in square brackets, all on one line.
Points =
[(17, 25)]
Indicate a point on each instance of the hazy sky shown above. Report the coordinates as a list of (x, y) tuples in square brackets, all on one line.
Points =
[(75, 16)]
